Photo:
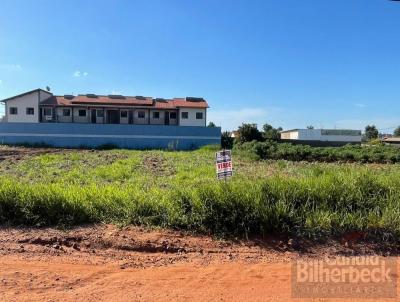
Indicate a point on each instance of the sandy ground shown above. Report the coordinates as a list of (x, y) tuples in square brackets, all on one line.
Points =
[(107, 263)]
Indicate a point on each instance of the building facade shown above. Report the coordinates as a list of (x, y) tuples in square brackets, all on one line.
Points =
[(40, 106), (38, 117), (323, 135)]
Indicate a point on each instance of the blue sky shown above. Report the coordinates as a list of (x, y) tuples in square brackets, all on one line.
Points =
[(288, 63)]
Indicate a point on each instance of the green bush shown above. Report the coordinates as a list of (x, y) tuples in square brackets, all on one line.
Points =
[(349, 153)]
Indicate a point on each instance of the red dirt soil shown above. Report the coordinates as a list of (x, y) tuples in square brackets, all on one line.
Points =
[(107, 263)]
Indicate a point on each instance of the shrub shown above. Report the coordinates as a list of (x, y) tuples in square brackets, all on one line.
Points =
[(349, 153), (226, 140), (248, 133)]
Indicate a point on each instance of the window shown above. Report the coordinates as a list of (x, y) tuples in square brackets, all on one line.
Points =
[(141, 114), (199, 115), (172, 115), (185, 115), (30, 111), (99, 113), (66, 112), (82, 112), (124, 113), (47, 112), (156, 114), (13, 110)]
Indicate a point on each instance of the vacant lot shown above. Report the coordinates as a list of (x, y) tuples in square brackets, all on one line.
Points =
[(179, 190), (281, 206)]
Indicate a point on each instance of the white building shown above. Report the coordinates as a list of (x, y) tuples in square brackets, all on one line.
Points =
[(40, 106), (323, 135)]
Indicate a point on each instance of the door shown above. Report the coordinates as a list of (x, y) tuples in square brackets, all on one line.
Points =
[(166, 118), (93, 116), (113, 116)]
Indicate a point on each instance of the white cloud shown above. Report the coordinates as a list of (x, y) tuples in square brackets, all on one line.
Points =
[(11, 67), (1, 82), (115, 92), (78, 74), (231, 119)]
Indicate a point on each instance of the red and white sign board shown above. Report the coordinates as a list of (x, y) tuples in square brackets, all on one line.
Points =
[(223, 162)]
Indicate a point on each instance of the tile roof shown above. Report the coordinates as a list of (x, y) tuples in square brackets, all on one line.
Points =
[(125, 101), (181, 102)]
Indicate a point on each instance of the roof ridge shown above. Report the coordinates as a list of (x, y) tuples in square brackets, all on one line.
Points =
[(25, 93)]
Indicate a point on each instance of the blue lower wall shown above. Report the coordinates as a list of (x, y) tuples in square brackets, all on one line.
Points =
[(97, 135)]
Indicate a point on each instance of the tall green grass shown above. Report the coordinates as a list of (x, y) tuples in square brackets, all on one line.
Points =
[(310, 200)]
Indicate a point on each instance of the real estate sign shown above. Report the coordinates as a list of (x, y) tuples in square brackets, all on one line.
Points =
[(223, 160)]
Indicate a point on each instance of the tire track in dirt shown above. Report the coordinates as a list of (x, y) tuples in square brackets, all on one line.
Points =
[(107, 263)]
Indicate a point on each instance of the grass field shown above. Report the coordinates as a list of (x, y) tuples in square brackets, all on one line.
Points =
[(180, 190)]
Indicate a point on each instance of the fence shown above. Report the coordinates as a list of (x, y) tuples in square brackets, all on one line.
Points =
[(98, 135)]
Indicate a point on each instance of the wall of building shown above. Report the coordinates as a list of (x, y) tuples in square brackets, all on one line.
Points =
[(309, 134), (81, 119), (141, 121), (21, 103), (341, 138), (99, 119), (290, 135), (191, 120), (124, 120), (157, 121), (171, 120), (317, 135), (342, 135), (60, 115), (43, 95), (314, 143), (122, 136)]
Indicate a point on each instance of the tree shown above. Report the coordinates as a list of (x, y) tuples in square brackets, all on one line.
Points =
[(271, 133), (397, 132), (310, 127), (211, 125), (227, 140), (248, 133), (48, 88), (371, 132)]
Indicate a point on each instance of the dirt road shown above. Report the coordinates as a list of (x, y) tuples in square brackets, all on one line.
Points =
[(106, 263)]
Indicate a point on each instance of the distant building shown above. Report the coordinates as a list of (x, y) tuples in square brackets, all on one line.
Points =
[(327, 136), (394, 141), (40, 106), (385, 135), (235, 134)]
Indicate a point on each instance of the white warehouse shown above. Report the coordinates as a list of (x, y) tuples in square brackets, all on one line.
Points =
[(323, 135)]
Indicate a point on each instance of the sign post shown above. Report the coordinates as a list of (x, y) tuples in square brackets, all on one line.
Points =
[(223, 161)]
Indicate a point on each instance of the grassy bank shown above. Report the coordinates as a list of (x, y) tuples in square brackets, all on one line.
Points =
[(179, 190)]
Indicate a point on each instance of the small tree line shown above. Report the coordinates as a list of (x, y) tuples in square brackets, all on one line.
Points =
[(250, 132)]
